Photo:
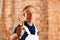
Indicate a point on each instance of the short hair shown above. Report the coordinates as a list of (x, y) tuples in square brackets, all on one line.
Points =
[(28, 7)]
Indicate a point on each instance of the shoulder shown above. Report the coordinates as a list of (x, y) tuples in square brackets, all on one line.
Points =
[(36, 28)]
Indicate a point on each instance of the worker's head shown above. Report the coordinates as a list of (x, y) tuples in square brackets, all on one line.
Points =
[(29, 13)]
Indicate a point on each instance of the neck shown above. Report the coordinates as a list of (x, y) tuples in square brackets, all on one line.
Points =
[(30, 23)]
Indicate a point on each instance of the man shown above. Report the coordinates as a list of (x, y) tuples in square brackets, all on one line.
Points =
[(30, 29)]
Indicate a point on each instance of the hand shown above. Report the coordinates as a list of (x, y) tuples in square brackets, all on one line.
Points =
[(14, 37)]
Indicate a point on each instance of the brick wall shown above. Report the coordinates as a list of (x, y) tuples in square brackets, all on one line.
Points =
[(54, 17)]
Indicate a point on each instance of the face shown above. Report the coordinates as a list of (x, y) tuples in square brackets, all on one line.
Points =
[(29, 15)]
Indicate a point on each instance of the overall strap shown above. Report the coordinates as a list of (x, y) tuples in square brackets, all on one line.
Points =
[(27, 30)]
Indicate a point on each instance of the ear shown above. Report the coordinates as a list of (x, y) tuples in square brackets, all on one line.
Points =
[(24, 12)]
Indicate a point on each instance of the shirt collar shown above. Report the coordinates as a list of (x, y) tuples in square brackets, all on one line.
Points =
[(26, 24)]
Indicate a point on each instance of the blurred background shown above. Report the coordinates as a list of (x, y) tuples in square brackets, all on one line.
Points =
[(1, 2), (47, 17)]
